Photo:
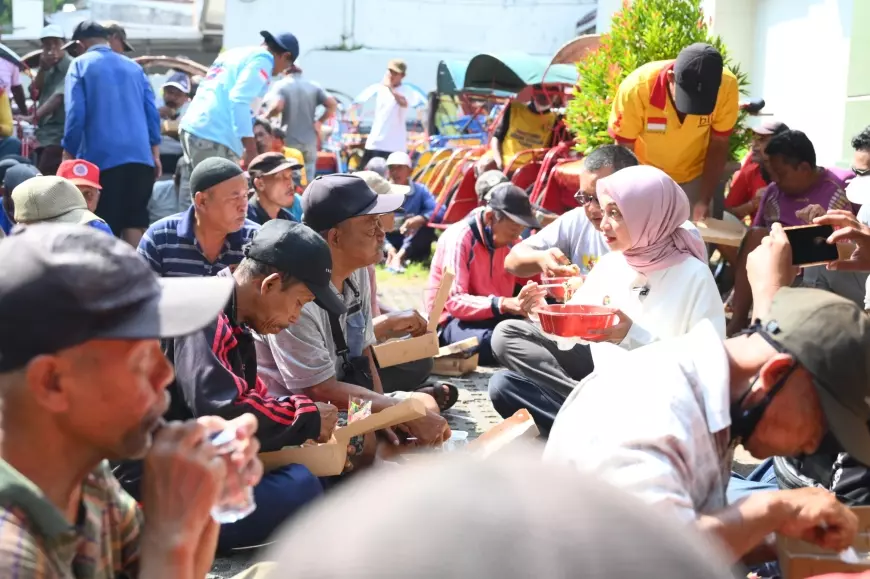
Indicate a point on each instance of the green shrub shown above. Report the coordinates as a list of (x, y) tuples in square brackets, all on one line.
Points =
[(644, 31)]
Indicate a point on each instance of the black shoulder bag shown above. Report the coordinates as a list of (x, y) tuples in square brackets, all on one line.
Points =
[(355, 370)]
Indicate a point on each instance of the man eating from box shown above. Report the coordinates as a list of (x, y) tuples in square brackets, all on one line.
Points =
[(216, 369), (329, 357), (680, 407)]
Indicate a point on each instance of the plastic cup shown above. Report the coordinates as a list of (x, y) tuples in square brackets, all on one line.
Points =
[(237, 498)]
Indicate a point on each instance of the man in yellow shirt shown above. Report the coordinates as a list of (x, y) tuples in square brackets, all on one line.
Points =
[(678, 115), (524, 126)]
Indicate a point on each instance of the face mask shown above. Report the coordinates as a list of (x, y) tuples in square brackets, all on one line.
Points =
[(745, 421)]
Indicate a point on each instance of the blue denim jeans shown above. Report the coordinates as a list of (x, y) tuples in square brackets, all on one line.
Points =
[(763, 478)]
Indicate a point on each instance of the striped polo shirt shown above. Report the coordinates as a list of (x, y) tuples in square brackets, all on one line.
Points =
[(172, 250)]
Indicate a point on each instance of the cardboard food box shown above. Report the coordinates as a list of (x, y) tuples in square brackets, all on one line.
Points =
[(800, 560), (457, 359), (328, 458), (518, 428), (721, 232), (410, 349)]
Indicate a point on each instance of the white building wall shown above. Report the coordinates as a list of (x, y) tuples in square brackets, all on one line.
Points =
[(420, 31)]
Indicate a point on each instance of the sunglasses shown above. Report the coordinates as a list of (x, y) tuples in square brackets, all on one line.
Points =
[(584, 199), (861, 172)]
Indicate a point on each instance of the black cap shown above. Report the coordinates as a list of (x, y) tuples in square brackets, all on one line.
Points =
[(89, 29), (331, 199), (18, 174), (830, 337), (64, 285), (213, 171), (284, 40), (513, 202), (116, 28), (5, 165), (300, 252), (697, 76)]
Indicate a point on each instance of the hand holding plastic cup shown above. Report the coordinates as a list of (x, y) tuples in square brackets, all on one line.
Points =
[(237, 498)]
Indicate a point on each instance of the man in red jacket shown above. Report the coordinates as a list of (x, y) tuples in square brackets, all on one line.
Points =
[(482, 294)]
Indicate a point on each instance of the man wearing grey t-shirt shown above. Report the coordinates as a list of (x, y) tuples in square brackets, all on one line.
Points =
[(305, 358), (297, 99)]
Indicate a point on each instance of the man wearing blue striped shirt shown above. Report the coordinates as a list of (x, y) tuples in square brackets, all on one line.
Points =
[(212, 233)]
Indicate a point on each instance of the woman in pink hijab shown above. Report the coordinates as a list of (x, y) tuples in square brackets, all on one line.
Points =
[(656, 273)]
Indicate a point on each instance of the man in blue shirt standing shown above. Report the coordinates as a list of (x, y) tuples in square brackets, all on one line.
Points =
[(112, 121), (219, 121)]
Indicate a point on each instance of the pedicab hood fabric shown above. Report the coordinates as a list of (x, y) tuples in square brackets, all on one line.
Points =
[(653, 207)]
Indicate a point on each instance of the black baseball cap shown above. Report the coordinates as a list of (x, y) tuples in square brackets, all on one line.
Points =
[(89, 29), (116, 28), (830, 337), (330, 199), (298, 251), (513, 202), (284, 40), (697, 76), (64, 285)]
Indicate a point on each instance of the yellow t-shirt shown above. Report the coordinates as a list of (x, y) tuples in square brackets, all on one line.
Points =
[(6, 126), (527, 130), (643, 114)]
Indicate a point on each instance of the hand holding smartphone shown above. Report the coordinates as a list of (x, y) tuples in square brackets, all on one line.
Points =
[(809, 245)]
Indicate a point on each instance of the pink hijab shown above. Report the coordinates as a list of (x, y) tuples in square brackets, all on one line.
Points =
[(653, 207)]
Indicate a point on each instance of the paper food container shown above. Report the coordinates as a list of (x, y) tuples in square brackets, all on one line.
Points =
[(410, 349), (328, 458), (800, 560), (721, 232), (519, 428)]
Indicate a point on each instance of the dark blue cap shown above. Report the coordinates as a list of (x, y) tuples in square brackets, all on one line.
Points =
[(284, 40), (180, 81), (89, 29)]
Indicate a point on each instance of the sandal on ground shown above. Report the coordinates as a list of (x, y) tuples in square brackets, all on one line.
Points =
[(444, 398)]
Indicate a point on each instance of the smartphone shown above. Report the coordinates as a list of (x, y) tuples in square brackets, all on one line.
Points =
[(809, 245)]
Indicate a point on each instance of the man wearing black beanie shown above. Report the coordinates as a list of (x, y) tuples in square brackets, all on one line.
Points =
[(210, 235)]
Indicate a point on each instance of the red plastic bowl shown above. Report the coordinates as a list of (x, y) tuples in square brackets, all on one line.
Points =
[(557, 293), (576, 320)]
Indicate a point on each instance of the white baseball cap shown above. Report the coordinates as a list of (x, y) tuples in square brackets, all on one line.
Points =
[(399, 158), (52, 31)]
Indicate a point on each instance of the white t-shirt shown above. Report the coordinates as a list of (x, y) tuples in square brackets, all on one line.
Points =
[(575, 236), (664, 304), (389, 132)]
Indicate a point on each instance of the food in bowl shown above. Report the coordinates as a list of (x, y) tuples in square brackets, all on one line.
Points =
[(576, 320), (562, 288)]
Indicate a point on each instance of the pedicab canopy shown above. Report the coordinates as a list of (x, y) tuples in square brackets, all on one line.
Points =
[(513, 72), (451, 76)]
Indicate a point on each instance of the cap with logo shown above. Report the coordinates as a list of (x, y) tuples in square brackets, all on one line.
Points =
[(271, 163), (513, 202), (397, 65), (118, 30), (399, 158), (697, 76), (80, 172), (830, 337), (89, 29), (770, 127), (64, 285), (180, 81), (486, 181), (380, 185), (330, 199), (52, 199), (280, 243), (52, 31), (18, 174), (284, 40)]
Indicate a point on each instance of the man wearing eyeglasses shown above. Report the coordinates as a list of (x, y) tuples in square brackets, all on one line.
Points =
[(574, 238)]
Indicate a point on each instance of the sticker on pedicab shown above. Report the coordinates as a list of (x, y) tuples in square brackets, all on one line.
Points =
[(704, 121), (656, 125), (79, 170), (605, 301)]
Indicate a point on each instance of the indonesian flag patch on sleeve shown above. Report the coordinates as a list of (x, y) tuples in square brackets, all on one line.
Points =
[(265, 75), (656, 125)]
